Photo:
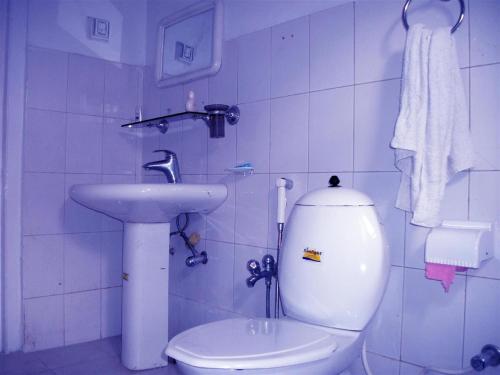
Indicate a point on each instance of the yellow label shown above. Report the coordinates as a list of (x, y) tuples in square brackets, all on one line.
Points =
[(312, 254)]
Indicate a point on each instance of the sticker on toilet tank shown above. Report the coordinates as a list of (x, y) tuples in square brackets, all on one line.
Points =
[(312, 254)]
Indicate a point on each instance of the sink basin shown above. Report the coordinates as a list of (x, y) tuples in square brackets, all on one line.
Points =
[(149, 203)]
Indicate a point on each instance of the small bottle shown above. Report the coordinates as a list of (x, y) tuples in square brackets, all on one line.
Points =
[(190, 102)]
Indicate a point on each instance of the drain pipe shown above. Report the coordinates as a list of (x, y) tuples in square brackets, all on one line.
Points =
[(282, 184)]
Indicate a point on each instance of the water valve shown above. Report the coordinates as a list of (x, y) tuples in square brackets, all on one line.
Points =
[(489, 357)]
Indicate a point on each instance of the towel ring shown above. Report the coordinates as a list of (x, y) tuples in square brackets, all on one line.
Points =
[(454, 28)]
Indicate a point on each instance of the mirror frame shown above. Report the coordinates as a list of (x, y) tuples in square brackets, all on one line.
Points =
[(165, 80)]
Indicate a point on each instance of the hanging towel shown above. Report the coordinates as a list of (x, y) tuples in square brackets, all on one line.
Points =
[(432, 137)]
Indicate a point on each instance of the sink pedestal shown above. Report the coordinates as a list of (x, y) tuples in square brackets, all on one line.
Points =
[(145, 295)]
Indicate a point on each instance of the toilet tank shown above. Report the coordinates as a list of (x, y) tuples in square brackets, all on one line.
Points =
[(334, 263)]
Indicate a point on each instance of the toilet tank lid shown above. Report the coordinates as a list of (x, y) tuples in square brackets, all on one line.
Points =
[(251, 344), (335, 196)]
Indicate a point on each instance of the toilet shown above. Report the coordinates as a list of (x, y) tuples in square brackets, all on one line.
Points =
[(333, 270)]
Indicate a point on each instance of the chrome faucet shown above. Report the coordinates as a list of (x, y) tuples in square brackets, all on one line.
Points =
[(168, 166)]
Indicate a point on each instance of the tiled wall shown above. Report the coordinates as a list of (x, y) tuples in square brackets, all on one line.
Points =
[(320, 95), (72, 255)]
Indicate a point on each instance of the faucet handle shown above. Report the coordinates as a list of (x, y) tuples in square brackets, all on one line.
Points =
[(167, 153)]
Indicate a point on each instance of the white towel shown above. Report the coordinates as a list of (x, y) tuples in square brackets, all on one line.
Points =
[(432, 137)]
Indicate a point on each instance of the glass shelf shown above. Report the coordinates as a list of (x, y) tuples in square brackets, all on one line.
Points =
[(162, 122)]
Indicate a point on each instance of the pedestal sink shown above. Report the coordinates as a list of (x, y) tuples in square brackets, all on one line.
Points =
[(146, 210)]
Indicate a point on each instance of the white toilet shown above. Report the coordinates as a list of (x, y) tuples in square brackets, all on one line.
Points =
[(333, 271)]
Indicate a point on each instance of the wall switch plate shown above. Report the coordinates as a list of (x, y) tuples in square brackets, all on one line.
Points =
[(98, 28)]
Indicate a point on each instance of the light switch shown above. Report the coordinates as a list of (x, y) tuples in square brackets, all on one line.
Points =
[(98, 28)]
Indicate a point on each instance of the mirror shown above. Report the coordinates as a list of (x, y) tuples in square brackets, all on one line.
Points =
[(190, 44)]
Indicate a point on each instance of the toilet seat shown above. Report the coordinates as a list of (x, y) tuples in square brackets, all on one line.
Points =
[(251, 344)]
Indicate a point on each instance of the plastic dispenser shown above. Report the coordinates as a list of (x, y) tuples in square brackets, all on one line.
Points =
[(460, 243)]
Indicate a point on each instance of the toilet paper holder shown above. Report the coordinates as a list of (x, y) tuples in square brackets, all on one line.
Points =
[(460, 243)]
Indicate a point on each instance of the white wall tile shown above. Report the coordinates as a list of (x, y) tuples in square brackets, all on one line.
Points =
[(46, 70), (252, 194), (111, 259), (332, 47), (111, 312), (289, 134), (118, 148), (222, 151), (384, 336), (194, 147), (253, 133), (82, 317), (121, 90), (39, 332), (85, 85), (223, 87), (42, 265), (484, 31), (320, 180), (290, 58), (254, 66), (376, 111), (485, 206), (81, 262), (83, 144), (485, 96), (44, 141), (481, 320), (430, 313), (379, 40), (220, 223), (43, 203), (78, 218), (331, 126)]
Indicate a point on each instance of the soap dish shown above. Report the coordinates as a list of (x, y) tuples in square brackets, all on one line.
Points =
[(241, 170)]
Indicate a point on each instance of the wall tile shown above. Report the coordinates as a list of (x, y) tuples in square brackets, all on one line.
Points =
[(485, 206), (223, 87), (43, 203), (289, 134), (81, 262), (331, 126), (78, 218), (431, 313), (298, 190), (194, 147), (481, 316), (200, 89), (220, 223), (150, 94), (111, 259), (39, 332), (254, 129), (383, 192), (379, 40), (290, 58), (376, 111), (215, 278), (332, 58), (42, 266), (484, 31), (46, 69), (384, 336), (44, 141), (183, 279), (222, 151), (82, 317), (121, 90), (111, 312), (118, 148), (248, 301), (252, 194), (485, 96), (173, 99), (85, 85), (254, 60), (84, 144)]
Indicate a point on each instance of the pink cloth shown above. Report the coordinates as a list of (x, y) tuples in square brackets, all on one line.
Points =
[(442, 272)]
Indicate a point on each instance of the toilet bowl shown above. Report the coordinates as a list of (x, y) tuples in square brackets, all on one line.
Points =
[(333, 272)]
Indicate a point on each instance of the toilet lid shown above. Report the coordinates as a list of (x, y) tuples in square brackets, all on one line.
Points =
[(251, 343)]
